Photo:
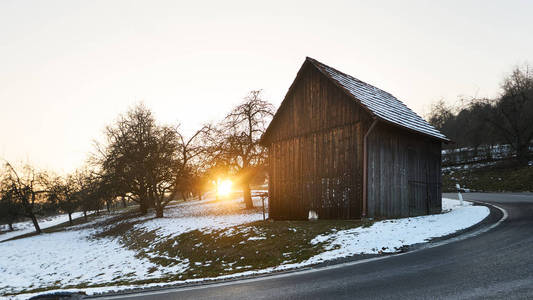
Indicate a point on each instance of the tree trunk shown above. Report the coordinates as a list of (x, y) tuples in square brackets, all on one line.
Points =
[(107, 205), (522, 154), (70, 218), (124, 204), (143, 207), (184, 196), (247, 194), (11, 227), (85, 215), (35, 224), (143, 202), (158, 209), (151, 201)]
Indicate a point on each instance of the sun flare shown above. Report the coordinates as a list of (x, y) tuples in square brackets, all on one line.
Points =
[(224, 187)]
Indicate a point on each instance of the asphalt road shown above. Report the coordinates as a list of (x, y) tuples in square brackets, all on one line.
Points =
[(495, 264)]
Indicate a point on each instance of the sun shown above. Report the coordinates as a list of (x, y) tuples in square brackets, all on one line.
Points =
[(224, 187)]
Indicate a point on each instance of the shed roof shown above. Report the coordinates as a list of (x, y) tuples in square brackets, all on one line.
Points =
[(381, 104)]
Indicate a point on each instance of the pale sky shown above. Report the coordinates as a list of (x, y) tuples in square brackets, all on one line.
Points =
[(68, 68)]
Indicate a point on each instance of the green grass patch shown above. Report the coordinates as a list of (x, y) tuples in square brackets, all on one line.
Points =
[(502, 177), (246, 247), (211, 253)]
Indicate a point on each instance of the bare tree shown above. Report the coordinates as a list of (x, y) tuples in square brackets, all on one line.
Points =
[(27, 188), (440, 115), (140, 160), (241, 131), (190, 149), (512, 114), (124, 160), (88, 193), (199, 182), (63, 192), (10, 209), (164, 168)]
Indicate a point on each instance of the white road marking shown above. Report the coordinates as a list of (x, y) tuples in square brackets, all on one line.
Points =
[(315, 269)]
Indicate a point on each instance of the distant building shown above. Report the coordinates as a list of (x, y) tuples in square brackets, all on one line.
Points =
[(320, 161)]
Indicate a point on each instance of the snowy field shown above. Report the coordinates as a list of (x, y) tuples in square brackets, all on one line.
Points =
[(74, 257), (22, 228)]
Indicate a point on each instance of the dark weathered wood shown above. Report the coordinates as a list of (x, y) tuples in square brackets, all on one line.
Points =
[(405, 173), (316, 158)]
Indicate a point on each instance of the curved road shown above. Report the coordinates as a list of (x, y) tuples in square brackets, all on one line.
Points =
[(495, 264)]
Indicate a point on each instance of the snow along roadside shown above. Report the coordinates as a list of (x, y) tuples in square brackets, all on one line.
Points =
[(382, 237), (390, 236)]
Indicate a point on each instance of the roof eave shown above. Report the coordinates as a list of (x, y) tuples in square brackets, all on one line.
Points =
[(263, 140), (317, 65), (445, 140)]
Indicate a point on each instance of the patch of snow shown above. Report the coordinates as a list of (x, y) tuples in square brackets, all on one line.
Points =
[(25, 227), (320, 239), (72, 257), (390, 236), (382, 237), (69, 258), (450, 204)]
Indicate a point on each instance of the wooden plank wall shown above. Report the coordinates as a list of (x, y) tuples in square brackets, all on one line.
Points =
[(320, 172), (313, 105), (315, 152), (404, 173)]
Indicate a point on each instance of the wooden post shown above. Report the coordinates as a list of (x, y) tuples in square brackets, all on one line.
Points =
[(263, 196), (263, 201), (365, 168), (459, 193)]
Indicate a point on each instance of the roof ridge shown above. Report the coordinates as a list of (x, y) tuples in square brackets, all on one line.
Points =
[(380, 103), (348, 75)]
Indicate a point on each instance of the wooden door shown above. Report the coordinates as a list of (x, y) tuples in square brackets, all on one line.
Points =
[(417, 184)]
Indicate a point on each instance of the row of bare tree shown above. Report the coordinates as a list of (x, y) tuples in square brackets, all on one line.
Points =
[(507, 119), (144, 162), (26, 193)]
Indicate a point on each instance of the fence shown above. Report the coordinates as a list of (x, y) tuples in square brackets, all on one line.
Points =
[(484, 153)]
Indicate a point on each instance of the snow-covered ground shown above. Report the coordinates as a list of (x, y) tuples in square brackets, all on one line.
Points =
[(204, 215), (73, 257), (27, 226), (390, 235)]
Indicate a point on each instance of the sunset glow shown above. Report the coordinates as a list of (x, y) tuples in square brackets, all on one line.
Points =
[(224, 187), (58, 78)]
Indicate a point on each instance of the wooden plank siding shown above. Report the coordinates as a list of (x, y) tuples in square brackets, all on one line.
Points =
[(404, 173), (315, 157)]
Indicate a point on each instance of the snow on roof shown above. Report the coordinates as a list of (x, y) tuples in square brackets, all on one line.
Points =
[(380, 103)]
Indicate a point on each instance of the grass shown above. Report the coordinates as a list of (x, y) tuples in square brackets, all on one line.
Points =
[(502, 177), (211, 253), (247, 247)]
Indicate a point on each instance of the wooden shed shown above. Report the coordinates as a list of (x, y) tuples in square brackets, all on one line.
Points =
[(345, 149)]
